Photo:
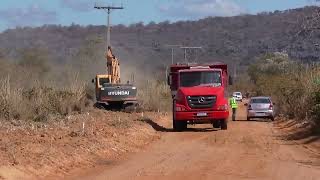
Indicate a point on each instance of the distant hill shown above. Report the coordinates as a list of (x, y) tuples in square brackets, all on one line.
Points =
[(236, 39)]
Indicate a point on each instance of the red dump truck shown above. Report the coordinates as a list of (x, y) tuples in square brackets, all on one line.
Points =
[(199, 94)]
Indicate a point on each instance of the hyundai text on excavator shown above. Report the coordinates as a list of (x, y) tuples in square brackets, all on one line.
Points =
[(110, 93), (199, 94)]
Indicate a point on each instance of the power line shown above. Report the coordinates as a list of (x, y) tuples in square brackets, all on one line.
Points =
[(172, 46), (189, 47), (108, 9)]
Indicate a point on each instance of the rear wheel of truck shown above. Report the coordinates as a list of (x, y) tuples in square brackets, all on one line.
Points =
[(224, 124)]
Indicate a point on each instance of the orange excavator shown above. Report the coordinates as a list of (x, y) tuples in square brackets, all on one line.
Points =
[(113, 67), (110, 93)]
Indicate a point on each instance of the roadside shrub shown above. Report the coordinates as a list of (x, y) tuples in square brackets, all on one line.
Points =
[(293, 86), (10, 99), (155, 95), (316, 108), (41, 101), (315, 81)]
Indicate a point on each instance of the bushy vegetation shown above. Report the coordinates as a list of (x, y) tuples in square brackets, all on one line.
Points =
[(40, 102), (34, 88), (294, 86), (31, 88), (155, 95)]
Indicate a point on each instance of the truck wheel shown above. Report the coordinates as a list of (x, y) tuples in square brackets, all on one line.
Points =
[(224, 124), (272, 118), (216, 124), (179, 125)]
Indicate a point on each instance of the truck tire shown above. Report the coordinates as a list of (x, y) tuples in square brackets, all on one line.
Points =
[(179, 126), (224, 124), (216, 124)]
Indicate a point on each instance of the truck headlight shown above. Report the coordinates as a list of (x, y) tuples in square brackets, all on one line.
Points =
[(134, 87), (179, 109), (222, 107)]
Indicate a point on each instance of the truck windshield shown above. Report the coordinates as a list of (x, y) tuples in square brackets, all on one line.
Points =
[(204, 78)]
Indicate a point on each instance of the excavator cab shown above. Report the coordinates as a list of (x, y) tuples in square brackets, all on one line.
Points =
[(100, 80)]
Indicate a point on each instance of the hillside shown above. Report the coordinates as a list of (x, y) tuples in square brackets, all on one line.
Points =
[(230, 39)]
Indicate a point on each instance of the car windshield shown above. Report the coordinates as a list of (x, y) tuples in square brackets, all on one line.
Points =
[(260, 101), (238, 94), (204, 78)]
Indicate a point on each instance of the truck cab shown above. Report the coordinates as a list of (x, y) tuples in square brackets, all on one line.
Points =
[(199, 95)]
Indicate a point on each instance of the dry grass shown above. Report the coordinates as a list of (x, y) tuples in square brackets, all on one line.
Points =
[(43, 90), (41, 101), (155, 95), (10, 99)]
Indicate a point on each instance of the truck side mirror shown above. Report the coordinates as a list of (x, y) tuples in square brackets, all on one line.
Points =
[(230, 81), (92, 80), (169, 80)]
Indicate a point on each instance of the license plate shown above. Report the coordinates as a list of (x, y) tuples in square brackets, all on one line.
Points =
[(202, 114), (260, 114)]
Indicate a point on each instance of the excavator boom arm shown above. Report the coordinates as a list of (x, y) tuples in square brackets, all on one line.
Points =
[(113, 66)]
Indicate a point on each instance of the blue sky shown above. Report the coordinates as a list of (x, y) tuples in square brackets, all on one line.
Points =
[(15, 13)]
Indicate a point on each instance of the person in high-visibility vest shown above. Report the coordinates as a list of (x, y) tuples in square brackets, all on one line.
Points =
[(234, 106)]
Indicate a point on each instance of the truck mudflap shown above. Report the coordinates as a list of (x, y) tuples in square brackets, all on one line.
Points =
[(201, 116)]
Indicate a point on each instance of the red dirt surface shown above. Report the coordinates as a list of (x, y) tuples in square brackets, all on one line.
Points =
[(247, 150), (52, 150), (110, 145)]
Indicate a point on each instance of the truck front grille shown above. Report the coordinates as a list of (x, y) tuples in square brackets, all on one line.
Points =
[(201, 102)]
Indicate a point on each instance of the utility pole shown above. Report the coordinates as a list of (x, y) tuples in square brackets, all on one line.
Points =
[(108, 9), (172, 50), (185, 51)]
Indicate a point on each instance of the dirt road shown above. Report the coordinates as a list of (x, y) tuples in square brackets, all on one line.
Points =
[(247, 150)]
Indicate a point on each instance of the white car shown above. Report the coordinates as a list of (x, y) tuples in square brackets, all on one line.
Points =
[(238, 96)]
